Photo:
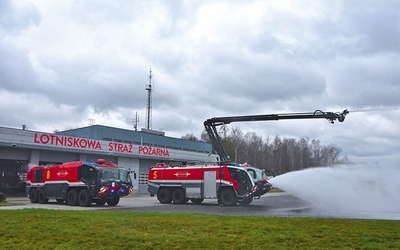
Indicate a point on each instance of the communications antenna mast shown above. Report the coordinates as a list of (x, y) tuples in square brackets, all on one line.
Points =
[(135, 121), (149, 88)]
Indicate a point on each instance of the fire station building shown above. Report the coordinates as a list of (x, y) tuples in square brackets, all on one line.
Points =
[(134, 150)]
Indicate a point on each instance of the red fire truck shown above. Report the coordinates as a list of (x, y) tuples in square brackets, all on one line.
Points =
[(228, 183), (79, 183)]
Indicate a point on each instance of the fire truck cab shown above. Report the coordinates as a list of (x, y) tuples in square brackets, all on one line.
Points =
[(260, 179), (228, 184), (79, 183)]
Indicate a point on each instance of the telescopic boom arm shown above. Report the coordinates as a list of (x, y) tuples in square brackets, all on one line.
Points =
[(212, 124)]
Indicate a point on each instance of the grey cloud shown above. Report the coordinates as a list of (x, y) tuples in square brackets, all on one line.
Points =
[(376, 25), (92, 58), (364, 81), (14, 19), (16, 72)]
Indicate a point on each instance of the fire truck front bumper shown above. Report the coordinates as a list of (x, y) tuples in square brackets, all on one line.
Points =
[(262, 188), (110, 191), (152, 188)]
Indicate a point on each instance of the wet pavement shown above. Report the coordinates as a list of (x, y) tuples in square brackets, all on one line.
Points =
[(271, 204)]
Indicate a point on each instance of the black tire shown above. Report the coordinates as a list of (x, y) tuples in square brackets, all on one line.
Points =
[(33, 195), (114, 201), (178, 196), (246, 201), (3, 197), (227, 197), (72, 197), (84, 198), (42, 197), (196, 200), (164, 196)]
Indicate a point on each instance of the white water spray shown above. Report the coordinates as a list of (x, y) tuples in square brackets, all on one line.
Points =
[(360, 188)]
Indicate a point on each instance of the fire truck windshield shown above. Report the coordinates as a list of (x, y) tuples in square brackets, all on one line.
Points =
[(257, 174), (115, 174)]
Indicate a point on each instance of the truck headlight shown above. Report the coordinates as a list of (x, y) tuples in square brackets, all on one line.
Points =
[(103, 189)]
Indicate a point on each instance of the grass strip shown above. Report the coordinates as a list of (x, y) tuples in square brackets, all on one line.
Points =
[(59, 229), (6, 203)]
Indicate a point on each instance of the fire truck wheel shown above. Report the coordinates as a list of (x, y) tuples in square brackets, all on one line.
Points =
[(196, 200), (84, 198), (114, 201), (3, 197), (33, 195), (164, 196), (72, 197), (227, 197), (178, 196), (42, 198)]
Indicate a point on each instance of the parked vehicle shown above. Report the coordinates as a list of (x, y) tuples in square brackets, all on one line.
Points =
[(79, 183)]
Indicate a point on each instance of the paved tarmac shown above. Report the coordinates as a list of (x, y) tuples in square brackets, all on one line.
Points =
[(271, 204)]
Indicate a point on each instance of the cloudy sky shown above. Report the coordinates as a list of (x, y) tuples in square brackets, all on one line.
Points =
[(65, 62)]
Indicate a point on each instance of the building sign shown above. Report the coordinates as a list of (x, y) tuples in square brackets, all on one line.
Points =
[(153, 151), (83, 143), (66, 141), (120, 147)]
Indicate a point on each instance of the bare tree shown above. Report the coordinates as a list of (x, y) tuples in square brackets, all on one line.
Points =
[(238, 143), (281, 155), (190, 137)]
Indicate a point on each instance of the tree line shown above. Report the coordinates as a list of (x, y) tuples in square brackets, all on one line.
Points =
[(281, 155)]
